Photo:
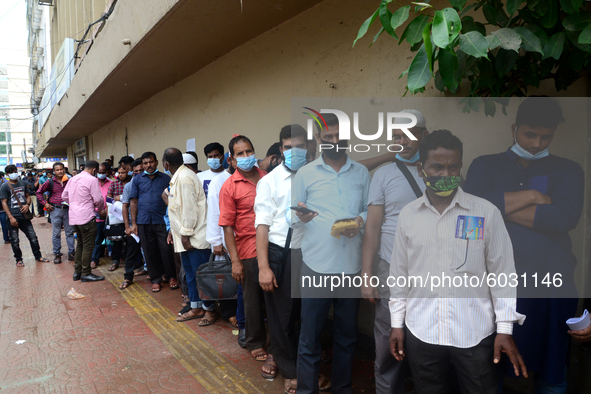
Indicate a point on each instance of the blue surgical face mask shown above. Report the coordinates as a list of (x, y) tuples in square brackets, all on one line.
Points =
[(214, 163), (101, 176), (167, 172), (295, 158), (32, 173), (147, 173), (13, 176), (413, 159), (130, 173), (246, 163), (519, 151)]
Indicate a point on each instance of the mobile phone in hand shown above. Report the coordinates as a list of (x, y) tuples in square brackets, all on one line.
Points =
[(303, 210)]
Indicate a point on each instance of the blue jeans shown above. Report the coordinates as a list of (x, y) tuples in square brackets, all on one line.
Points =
[(61, 216), (98, 242), (5, 224), (192, 260)]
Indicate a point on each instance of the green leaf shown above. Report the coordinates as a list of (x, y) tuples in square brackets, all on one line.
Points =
[(428, 45), (567, 6), (576, 60), (585, 36), (468, 24), (473, 43), (468, 9), (385, 17), (577, 22), (554, 46), (577, 4), (414, 31), (439, 82), (365, 26), (446, 27), (421, 6), (529, 41), (457, 4), (448, 67), (539, 32), (474, 103), (550, 18), (512, 6), (399, 17), (573, 37), (531, 4), (378, 34), (418, 73), (509, 39), (542, 8), (490, 13), (504, 61), (493, 42)]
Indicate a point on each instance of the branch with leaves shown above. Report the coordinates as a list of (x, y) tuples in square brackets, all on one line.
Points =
[(521, 44)]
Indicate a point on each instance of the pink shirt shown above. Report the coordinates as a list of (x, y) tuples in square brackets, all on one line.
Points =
[(83, 194), (104, 191)]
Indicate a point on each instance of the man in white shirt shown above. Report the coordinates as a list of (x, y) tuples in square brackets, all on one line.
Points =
[(215, 153), (450, 233), (271, 205), (392, 187), (187, 211)]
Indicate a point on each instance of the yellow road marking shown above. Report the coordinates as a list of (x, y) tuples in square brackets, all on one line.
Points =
[(210, 368)]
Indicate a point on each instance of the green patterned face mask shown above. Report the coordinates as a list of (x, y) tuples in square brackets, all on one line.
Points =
[(443, 186)]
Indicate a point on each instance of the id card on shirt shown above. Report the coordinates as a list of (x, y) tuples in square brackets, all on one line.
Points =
[(470, 227)]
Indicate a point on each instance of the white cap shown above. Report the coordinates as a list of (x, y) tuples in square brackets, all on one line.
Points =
[(421, 122), (188, 159)]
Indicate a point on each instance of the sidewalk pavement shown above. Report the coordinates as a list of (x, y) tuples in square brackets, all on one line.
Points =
[(111, 340)]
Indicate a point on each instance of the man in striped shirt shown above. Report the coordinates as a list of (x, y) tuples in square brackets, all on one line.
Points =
[(467, 325), (58, 211)]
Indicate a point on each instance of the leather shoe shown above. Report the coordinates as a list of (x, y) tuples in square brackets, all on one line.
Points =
[(91, 278), (76, 276), (242, 338), (71, 257), (57, 259)]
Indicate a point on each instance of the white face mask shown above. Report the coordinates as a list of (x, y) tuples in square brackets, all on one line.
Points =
[(13, 176)]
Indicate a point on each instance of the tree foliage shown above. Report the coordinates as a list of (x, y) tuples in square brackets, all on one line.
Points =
[(518, 44)]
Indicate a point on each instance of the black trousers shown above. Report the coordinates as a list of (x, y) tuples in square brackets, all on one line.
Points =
[(256, 334), (26, 227), (283, 318), (133, 259), (159, 259), (431, 366)]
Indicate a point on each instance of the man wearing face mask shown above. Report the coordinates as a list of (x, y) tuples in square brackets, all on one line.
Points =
[(104, 183), (83, 194), (272, 159), (335, 188), (214, 153), (450, 232), (237, 217), (272, 203), (124, 174), (147, 221), (15, 201), (541, 198), (392, 187)]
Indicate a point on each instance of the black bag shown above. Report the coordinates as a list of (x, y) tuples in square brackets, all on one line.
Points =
[(277, 258), (411, 181), (214, 280), (114, 232)]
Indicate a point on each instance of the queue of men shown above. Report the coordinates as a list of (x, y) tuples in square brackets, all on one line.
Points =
[(272, 219)]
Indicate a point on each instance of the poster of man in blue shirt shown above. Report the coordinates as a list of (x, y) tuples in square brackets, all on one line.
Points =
[(541, 198)]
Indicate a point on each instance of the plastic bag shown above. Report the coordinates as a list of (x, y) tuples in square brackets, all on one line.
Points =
[(74, 295)]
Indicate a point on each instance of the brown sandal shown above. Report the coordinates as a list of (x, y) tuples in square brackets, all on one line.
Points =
[(190, 316), (233, 321), (155, 287), (207, 322), (93, 265), (323, 383), (289, 387), (272, 366), (259, 354), (113, 266)]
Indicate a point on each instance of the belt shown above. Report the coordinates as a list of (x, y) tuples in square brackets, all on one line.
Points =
[(61, 206)]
